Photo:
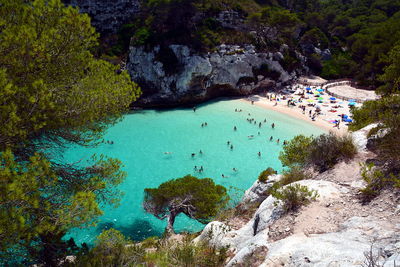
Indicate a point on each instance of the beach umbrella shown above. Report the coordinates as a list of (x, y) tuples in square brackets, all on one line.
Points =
[(320, 90), (310, 100), (352, 104), (352, 100), (308, 88), (348, 120), (332, 98), (320, 98)]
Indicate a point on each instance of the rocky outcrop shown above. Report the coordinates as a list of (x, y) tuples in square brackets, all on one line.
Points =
[(176, 74), (346, 245), (107, 15), (257, 193)]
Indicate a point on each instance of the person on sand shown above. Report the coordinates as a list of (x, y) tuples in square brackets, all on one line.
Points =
[(276, 103)]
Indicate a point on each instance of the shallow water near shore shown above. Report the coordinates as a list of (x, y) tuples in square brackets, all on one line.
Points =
[(142, 137)]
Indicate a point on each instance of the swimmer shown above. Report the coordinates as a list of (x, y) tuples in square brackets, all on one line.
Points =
[(167, 153), (234, 169), (270, 139), (201, 152), (223, 176), (231, 147), (202, 125), (193, 154), (258, 133), (234, 128), (265, 120), (195, 168), (273, 125), (259, 125), (205, 124), (250, 136), (201, 169), (277, 141), (228, 143), (259, 153), (194, 109)]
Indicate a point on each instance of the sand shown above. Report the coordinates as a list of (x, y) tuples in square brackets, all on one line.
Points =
[(321, 121)]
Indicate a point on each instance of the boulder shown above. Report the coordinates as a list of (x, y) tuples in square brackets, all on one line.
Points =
[(258, 191), (360, 137)]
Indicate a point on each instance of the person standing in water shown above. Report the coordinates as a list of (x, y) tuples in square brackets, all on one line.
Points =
[(194, 109), (259, 154), (270, 139), (234, 128), (273, 125)]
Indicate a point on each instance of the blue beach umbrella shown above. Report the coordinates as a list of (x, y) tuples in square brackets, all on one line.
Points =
[(352, 104), (308, 88), (332, 98), (348, 120), (352, 100), (320, 90)]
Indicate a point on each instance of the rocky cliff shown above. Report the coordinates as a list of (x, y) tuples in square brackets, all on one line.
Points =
[(107, 15), (335, 230), (176, 74)]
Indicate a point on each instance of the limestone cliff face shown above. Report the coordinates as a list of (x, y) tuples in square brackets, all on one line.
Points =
[(107, 15), (177, 75)]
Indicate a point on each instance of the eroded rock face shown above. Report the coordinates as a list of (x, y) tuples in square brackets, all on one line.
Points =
[(176, 75), (258, 191), (107, 15)]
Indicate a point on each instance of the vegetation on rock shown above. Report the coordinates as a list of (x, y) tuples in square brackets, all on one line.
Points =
[(294, 196), (54, 93), (263, 177), (199, 199)]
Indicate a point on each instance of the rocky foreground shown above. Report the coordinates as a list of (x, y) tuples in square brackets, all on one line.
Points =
[(335, 230)]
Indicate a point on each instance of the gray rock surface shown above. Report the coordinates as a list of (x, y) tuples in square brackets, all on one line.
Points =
[(360, 138), (347, 247), (177, 75), (257, 192), (107, 15)]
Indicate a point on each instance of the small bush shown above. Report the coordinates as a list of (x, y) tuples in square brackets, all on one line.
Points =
[(294, 196), (263, 177), (294, 174), (329, 149)]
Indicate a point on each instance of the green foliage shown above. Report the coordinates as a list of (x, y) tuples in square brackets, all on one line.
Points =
[(296, 151), (294, 196), (375, 180), (200, 199), (317, 37), (391, 75), (54, 93), (327, 150), (112, 249), (292, 175), (341, 65), (263, 177), (321, 152)]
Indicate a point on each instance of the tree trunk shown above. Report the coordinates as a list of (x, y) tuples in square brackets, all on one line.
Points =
[(170, 224)]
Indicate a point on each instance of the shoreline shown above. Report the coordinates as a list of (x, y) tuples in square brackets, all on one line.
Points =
[(296, 113)]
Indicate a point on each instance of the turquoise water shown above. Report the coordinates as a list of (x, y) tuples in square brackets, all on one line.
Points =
[(141, 139)]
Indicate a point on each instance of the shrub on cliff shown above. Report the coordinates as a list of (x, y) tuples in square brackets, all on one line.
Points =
[(294, 196), (263, 177), (321, 152)]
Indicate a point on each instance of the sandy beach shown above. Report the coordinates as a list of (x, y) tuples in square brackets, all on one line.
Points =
[(329, 110)]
